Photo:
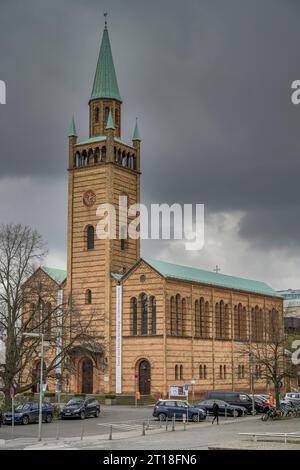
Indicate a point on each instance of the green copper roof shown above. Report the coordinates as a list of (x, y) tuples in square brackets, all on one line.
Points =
[(200, 276), (110, 122), (72, 129), (105, 81), (93, 140), (58, 275), (136, 133)]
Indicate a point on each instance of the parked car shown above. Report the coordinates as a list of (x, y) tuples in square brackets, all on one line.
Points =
[(164, 409), (81, 408), (1, 418), (26, 413), (258, 403), (224, 408), (293, 397), (233, 398)]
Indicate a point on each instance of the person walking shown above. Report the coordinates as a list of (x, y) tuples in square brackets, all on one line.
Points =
[(216, 410)]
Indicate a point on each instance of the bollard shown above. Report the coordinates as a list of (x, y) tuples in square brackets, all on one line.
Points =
[(82, 430), (160, 421), (110, 433), (198, 416), (225, 411), (57, 430), (184, 422), (173, 423), (167, 422), (144, 430), (148, 424)]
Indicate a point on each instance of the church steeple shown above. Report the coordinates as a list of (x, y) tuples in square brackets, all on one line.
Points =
[(105, 97), (105, 81)]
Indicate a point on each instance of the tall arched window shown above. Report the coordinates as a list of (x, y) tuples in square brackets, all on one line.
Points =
[(88, 296), (218, 320), (197, 318), (176, 372), (144, 304), (181, 372), (97, 114), (49, 318), (178, 316), (172, 317), (106, 114), (134, 314), (239, 323), (117, 117), (90, 237), (274, 329), (153, 316)]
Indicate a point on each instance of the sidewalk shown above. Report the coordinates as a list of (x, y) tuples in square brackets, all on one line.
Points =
[(153, 439)]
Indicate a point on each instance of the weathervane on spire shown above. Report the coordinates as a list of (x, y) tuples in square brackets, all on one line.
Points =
[(105, 16)]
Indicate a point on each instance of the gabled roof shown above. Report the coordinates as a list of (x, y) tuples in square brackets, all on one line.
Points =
[(105, 81), (187, 273), (58, 275)]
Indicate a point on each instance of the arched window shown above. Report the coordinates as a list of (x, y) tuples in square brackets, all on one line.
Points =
[(90, 237), (200, 372), (134, 314), (49, 318), (117, 116), (218, 320), (97, 114), (172, 317), (88, 296), (221, 372), (178, 314), (224, 372), (197, 318), (181, 372), (96, 155), (153, 316), (274, 329), (106, 114), (176, 372), (257, 324), (144, 304), (239, 323), (103, 154)]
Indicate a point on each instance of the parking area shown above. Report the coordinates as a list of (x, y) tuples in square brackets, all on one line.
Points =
[(123, 418)]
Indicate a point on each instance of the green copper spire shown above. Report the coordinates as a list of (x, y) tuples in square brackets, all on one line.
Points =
[(136, 132), (72, 129), (110, 122), (105, 81)]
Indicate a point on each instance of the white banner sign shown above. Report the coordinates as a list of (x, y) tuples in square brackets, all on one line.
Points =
[(119, 339)]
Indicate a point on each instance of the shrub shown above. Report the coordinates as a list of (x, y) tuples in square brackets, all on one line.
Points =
[(110, 396)]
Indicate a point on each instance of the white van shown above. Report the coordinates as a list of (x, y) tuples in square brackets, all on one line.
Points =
[(294, 397)]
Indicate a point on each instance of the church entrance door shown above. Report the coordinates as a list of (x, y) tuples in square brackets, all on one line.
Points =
[(87, 376), (144, 378)]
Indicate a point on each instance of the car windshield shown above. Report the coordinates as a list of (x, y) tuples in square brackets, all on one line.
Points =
[(74, 401), (22, 407)]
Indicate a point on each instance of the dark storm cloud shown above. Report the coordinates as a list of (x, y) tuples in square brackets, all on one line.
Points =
[(209, 80)]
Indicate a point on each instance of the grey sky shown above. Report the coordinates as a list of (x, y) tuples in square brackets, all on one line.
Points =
[(210, 82)]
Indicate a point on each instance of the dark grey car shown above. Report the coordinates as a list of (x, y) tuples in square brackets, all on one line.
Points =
[(81, 408)]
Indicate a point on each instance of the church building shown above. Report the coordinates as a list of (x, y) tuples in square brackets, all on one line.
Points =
[(162, 324)]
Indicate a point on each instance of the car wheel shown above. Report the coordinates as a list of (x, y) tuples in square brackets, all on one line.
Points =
[(235, 413), (25, 420), (162, 416), (195, 418), (97, 412), (82, 415), (49, 418)]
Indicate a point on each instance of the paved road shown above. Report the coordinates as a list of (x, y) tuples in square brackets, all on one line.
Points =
[(197, 436), (92, 426)]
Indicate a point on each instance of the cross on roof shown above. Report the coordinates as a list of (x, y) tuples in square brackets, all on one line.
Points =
[(217, 269)]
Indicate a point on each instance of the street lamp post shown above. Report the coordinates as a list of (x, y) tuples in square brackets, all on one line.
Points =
[(41, 336), (252, 382)]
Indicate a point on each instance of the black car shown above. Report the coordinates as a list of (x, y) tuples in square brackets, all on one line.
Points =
[(26, 413), (233, 398), (81, 408), (224, 408)]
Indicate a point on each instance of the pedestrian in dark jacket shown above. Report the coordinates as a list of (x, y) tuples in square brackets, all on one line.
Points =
[(215, 410)]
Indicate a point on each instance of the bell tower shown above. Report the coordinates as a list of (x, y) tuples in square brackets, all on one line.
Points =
[(101, 168)]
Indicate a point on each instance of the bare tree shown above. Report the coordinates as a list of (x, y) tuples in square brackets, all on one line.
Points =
[(269, 359), (29, 302)]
